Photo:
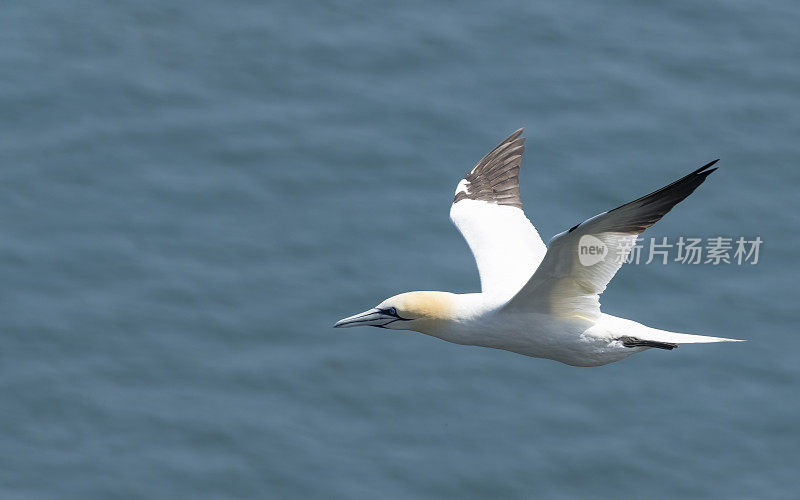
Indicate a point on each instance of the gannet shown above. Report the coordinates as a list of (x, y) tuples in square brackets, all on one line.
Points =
[(540, 301)]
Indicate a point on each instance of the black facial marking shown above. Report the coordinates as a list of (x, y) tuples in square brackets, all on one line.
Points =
[(392, 311)]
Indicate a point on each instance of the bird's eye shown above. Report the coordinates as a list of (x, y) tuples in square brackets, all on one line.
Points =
[(392, 311)]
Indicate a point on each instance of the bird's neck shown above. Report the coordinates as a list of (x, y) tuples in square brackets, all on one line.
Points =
[(444, 312)]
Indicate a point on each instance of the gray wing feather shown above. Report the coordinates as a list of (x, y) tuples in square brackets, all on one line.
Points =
[(495, 178)]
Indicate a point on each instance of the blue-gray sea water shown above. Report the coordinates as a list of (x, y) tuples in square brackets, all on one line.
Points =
[(191, 193)]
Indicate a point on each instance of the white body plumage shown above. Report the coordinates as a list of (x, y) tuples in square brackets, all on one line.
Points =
[(536, 300)]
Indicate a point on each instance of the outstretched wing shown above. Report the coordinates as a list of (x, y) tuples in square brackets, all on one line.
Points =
[(580, 262), (487, 210)]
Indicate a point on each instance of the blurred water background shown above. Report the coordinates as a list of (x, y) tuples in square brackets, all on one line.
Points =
[(191, 193)]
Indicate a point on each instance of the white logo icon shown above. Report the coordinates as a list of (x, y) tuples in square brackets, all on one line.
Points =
[(591, 250)]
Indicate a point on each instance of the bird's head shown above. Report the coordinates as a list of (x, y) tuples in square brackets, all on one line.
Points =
[(423, 312)]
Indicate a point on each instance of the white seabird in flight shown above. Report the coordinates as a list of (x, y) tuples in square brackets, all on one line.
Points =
[(536, 300)]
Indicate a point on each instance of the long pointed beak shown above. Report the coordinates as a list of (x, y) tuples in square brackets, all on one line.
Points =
[(373, 317)]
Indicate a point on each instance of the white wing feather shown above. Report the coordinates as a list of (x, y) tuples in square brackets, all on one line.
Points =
[(564, 286), (487, 210)]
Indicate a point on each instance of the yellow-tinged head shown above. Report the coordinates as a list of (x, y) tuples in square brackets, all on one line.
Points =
[(423, 312)]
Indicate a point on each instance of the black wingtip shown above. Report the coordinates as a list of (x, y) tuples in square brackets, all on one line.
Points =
[(706, 167)]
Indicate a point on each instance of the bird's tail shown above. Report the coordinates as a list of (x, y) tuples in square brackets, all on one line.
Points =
[(633, 334), (652, 337)]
